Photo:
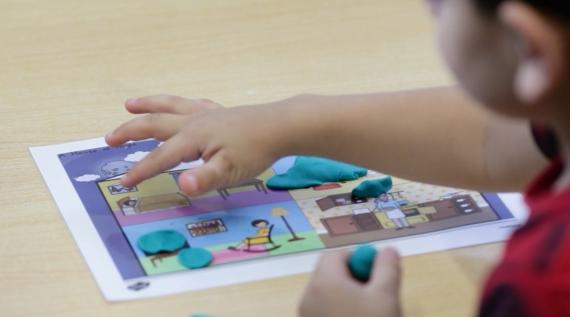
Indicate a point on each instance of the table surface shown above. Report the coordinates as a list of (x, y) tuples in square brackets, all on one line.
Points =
[(67, 67)]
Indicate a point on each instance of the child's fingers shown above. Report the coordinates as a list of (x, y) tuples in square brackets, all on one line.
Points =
[(333, 263), (386, 272), (168, 104), (156, 103), (212, 175), (166, 156), (160, 126)]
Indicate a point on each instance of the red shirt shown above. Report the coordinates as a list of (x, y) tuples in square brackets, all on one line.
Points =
[(533, 278)]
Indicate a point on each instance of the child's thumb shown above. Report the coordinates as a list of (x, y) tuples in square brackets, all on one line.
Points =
[(386, 272), (202, 179)]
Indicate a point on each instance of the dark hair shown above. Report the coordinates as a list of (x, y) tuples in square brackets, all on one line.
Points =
[(258, 221), (559, 9)]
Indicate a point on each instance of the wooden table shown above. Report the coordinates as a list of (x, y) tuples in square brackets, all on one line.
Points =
[(67, 66)]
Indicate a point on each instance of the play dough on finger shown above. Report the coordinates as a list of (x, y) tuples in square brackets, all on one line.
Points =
[(195, 258), (373, 188), (361, 262), (161, 241), (310, 171)]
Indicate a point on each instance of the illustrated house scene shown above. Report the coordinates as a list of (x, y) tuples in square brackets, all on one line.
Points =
[(398, 215), (232, 235), (163, 192), (258, 184), (226, 191), (345, 199), (408, 209), (196, 229), (157, 193), (261, 241)]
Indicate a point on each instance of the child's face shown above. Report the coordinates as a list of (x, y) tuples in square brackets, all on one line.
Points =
[(475, 48)]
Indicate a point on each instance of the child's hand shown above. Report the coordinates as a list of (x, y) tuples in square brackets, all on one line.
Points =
[(232, 142), (332, 290)]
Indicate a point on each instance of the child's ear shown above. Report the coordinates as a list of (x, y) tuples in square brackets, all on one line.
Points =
[(541, 47)]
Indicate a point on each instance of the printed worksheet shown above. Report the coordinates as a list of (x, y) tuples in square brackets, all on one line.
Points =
[(251, 231)]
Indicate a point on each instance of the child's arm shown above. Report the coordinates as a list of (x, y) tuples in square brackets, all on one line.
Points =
[(432, 135), (435, 135)]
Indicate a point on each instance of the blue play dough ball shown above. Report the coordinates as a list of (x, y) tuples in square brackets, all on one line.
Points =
[(161, 241), (361, 262), (195, 258), (373, 188), (310, 171)]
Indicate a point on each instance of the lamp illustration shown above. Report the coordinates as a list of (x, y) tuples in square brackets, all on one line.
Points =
[(282, 212)]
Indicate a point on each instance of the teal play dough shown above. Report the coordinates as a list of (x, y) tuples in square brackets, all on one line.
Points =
[(361, 262), (308, 171), (195, 258), (161, 241), (373, 188)]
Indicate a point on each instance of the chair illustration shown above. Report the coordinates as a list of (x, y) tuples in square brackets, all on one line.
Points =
[(262, 238), (162, 255)]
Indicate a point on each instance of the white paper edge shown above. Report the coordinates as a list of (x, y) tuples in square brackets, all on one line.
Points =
[(114, 288)]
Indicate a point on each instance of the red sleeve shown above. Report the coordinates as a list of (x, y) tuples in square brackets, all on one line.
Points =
[(533, 278), (545, 140), (504, 301), (524, 293)]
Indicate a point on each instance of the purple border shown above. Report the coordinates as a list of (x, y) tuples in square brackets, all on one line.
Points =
[(89, 162), (497, 205)]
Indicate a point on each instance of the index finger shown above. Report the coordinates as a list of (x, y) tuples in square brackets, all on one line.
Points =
[(166, 156), (169, 104)]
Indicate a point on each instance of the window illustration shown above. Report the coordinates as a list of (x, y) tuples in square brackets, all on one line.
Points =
[(120, 189), (202, 228)]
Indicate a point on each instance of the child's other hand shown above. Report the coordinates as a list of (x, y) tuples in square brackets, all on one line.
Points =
[(333, 292), (230, 141)]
